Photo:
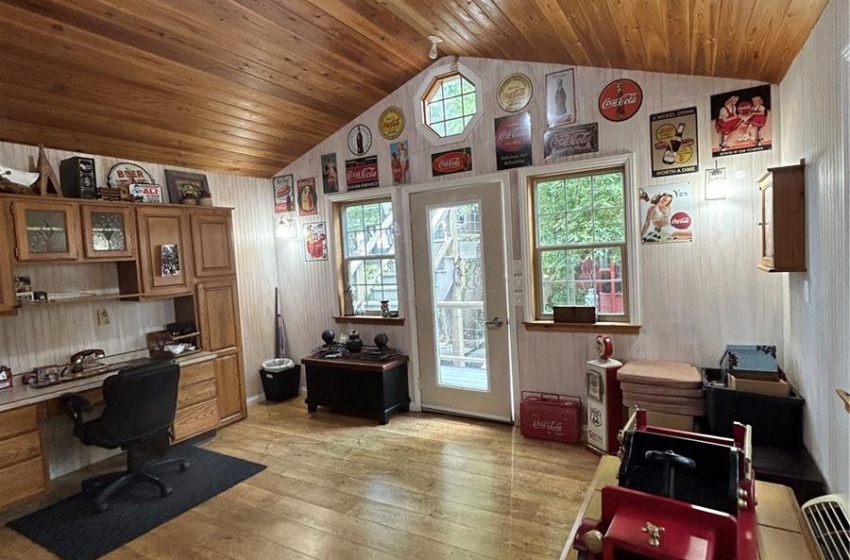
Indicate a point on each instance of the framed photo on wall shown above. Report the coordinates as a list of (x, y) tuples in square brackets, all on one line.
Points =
[(307, 197), (315, 242), (561, 98), (284, 194), (185, 187)]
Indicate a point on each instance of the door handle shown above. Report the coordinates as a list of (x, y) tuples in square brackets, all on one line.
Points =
[(496, 322)]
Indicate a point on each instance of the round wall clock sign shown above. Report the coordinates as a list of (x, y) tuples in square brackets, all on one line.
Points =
[(391, 123), (515, 93), (620, 100), (359, 139)]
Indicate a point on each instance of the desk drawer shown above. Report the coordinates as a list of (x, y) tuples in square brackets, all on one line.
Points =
[(19, 449), (195, 419), (194, 394), (22, 481), (19, 421), (189, 375)]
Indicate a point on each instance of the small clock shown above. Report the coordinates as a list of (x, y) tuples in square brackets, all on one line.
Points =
[(604, 346), (359, 139)]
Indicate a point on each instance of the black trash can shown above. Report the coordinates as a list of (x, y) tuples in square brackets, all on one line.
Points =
[(280, 381)]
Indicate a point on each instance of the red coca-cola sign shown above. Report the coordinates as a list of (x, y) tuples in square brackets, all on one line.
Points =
[(513, 134), (681, 220), (361, 173), (620, 100), (455, 161)]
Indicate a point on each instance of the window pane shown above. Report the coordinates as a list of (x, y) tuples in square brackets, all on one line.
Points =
[(454, 126), (454, 108), (467, 86), (551, 197), (438, 93), (567, 278), (369, 255), (469, 104), (551, 229), (439, 128), (579, 228), (451, 97), (608, 189), (435, 112), (579, 193), (609, 225), (609, 281), (451, 87)]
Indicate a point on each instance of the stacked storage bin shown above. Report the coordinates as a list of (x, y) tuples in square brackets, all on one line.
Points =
[(672, 392)]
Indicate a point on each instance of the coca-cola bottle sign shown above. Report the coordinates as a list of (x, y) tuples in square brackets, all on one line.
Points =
[(620, 100), (455, 161)]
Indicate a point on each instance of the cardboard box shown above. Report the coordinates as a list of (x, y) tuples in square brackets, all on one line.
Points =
[(774, 387), (667, 420), (574, 314), (757, 361)]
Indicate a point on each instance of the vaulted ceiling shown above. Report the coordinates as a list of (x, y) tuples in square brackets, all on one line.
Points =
[(247, 86)]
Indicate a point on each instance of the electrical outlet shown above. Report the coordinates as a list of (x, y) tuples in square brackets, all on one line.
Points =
[(102, 317)]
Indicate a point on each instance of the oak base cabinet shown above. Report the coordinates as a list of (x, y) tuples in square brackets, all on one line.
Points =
[(23, 471), (230, 388), (197, 411)]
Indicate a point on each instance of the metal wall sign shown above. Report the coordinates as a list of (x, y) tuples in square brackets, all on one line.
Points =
[(361, 173), (571, 140), (620, 100), (453, 161)]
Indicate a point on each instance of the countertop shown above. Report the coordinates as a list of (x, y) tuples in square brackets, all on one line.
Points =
[(23, 395)]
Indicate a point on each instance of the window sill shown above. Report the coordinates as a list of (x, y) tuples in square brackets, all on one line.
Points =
[(369, 319), (607, 328)]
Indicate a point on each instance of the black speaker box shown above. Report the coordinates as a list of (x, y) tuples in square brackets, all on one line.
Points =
[(78, 178)]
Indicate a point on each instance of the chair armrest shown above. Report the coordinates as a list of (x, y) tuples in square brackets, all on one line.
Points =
[(75, 405)]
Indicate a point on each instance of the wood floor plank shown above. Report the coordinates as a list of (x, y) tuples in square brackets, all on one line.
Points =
[(422, 487)]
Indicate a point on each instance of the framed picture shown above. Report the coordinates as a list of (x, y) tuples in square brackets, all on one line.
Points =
[(742, 121), (315, 242), (330, 179), (674, 142), (185, 187), (560, 98), (307, 197), (284, 194), (170, 259)]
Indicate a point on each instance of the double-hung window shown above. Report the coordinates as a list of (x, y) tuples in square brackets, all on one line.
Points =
[(368, 255), (580, 245)]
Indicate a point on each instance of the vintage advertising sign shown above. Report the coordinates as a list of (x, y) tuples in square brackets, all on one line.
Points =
[(330, 178), (361, 173), (515, 92), (571, 140), (148, 193), (400, 162), (315, 241), (307, 197), (391, 123), (620, 100), (513, 141), (561, 98), (666, 214), (453, 161), (124, 173), (674, 142), (284, 194), (742, 121)]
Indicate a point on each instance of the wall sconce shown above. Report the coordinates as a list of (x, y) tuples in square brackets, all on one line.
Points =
[(287, 228), (432, 52), (715, 183)]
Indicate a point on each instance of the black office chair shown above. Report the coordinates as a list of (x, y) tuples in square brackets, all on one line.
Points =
[(140, 408)]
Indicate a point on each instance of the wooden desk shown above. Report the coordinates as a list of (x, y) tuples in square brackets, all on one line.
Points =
[(780, 523), (377, 387)]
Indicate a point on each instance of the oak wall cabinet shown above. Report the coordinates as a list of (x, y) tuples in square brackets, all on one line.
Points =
[(783, 219), (7, 289), (165, 251), (46, 230), (212, 243), (109, 232)]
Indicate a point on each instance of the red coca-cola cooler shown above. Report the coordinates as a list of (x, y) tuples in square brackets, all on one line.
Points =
[(550, 416)]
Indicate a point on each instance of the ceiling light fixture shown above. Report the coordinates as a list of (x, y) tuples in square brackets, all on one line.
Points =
[(432, 53), (715, 184)]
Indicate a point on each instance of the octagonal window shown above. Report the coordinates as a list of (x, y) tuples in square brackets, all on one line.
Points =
[(449, 104)]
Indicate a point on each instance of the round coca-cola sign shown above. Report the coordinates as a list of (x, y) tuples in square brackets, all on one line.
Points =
[(620, 100), (681, 220)]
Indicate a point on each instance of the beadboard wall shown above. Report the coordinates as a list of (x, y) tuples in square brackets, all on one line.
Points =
[(815, 126), (695, 297), (40, 336)]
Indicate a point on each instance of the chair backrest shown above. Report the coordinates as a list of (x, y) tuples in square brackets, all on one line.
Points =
[(141, 401)]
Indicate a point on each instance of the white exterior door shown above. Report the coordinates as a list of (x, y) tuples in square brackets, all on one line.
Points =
[(460, 283)]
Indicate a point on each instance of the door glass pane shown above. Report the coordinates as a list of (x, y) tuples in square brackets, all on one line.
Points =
[(107, 231), (457, 284), (47, 231)]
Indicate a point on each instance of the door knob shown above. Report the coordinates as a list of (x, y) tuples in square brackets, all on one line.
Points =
[(496, 322)]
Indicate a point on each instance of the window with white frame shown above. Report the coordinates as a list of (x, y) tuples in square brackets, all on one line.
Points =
[(580, 242), (368, 255), (449, 104)]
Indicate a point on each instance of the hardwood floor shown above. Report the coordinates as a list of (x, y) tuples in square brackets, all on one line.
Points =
[(339, 487)]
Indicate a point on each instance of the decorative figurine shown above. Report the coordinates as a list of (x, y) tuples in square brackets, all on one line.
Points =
[(385, 308), (354, 343), (328, 335), (381, 341)]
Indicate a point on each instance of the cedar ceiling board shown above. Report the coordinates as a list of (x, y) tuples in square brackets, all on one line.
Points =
[(40, 75), (704, 21), (588, 36), (654, 37), (100, 125), (565, 24), (798, 20), (27, 86), (625, 19), (246, 39), (173, 41), (732, 21), (97, 53), (336, 45), (505, 29), (435, 22), (603, 33), (678, 22), (103, 48), (490, 40), (530, 22), (75, 140)]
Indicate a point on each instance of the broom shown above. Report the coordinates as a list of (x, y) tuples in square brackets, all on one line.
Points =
[(281, 350)]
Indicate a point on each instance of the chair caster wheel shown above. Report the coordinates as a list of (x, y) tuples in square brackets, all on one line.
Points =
[(166, 491), (101, 506), (184, 466)]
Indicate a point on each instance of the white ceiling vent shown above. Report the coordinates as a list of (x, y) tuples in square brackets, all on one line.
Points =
[(828, 518)]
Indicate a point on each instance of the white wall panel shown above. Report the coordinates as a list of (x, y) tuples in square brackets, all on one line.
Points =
[(695, 298), (814, 127)]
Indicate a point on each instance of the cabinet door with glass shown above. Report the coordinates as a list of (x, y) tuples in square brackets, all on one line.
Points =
[(46, 230), (108, 233)]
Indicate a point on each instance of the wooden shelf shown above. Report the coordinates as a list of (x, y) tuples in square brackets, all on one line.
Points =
[(369, 319), (186, 336), (608, 328), (81, 299)]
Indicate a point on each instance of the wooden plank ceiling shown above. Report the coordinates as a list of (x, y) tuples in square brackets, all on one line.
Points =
[(247, 86)]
